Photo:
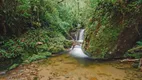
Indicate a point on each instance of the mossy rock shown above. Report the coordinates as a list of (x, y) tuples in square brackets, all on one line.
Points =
[(110, 36)]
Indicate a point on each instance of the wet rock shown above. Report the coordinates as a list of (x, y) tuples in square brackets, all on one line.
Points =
[(3, 72), (39, 43)]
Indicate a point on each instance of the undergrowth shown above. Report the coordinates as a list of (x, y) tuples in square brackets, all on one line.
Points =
[(34, 45), (135, 52)]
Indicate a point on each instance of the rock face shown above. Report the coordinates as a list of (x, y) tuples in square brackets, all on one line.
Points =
[(126, 40), (113, 44), (112, 32)]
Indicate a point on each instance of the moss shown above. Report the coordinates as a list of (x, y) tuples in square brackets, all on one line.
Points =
[(111, 20), (103, 41)]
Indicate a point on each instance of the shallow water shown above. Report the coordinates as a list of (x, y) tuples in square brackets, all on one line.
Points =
[(75, 65), (65, 67), (68, 68)]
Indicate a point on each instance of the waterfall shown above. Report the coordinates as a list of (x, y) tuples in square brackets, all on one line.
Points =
[(81, 36), (76, 50)]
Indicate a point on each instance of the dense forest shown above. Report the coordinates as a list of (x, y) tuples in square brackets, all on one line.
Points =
[(33, 30)]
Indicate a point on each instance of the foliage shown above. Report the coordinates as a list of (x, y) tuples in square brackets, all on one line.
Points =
[(26, 45), (10, 49), (13, 66), (67, 44), (38, 56), (133, 55), (109, 18), (26, 48), (139, 43), (21, 15), (25, 23), (135, 52)]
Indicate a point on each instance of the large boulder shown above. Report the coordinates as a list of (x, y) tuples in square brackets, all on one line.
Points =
[(114, 29), (110, 42)]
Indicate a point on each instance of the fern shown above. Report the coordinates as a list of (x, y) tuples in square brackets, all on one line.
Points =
[(139, 43)]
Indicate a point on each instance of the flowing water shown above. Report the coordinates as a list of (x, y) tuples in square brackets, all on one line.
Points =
[(81, 36), (75, 65), (76, 50), (65, 67)]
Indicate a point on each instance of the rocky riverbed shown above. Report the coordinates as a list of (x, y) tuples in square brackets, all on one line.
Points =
[(64, 67)]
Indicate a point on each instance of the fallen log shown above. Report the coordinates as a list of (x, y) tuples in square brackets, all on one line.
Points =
[(129, 60), (139, 48)]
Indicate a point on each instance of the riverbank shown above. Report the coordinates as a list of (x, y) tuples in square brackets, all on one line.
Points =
[(65, 67)]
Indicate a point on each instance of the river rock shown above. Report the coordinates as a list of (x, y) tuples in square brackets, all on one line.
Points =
[(3, 72)]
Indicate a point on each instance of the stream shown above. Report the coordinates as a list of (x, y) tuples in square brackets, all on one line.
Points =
[(75, 65), (65, 67)]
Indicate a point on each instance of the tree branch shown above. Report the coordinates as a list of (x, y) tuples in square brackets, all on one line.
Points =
[(60, 1)]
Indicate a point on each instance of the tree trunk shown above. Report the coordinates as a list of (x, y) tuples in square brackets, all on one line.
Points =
[(2, 20)]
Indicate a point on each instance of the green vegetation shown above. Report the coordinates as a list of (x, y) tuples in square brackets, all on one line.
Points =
[(27, 22), (113, 24), (32, 21), (33, 45), (35, 29), (135, 52)]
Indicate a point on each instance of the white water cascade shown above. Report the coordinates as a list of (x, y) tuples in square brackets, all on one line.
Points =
[(81, 36), (77, 51)]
